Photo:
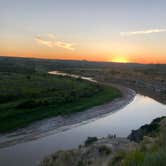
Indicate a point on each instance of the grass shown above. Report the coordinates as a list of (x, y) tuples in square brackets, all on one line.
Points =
[(25, 98), (153, 153), (146, 158)]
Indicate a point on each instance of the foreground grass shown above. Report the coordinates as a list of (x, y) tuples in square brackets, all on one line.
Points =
[(151, 150), (27, 98)]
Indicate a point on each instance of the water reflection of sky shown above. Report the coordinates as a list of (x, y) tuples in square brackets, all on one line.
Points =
[(142, 110)]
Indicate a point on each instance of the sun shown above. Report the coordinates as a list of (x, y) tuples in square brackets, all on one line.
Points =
[(119, 59)]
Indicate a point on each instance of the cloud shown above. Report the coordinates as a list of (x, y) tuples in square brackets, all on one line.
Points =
[(143, 32), (50, 35), (53, 43), (44, 42), (65, 45)]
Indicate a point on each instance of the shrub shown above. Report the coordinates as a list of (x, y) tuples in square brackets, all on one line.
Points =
[(90, 140), (32, 103), (148, 130), (104, 150)]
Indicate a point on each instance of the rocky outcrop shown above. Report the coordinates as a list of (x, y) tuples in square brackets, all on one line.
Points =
[(97, 153)]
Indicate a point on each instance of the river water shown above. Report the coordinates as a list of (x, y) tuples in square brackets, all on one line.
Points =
[(140, 111)]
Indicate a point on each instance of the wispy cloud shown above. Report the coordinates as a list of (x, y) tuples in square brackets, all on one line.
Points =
[(44, 42), (143, 32), (51, 35), (65, 45), (51, 42)]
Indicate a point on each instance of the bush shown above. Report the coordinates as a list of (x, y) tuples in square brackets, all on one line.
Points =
[(146, 130), (90, 140), (32, 103), (104, 150)]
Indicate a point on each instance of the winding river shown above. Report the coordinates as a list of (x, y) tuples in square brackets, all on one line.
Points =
[(141, 110)]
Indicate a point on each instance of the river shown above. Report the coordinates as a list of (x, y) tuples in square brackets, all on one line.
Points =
[(140, 111)]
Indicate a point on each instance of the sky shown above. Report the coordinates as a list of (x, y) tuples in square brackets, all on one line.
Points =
[(94, 30)]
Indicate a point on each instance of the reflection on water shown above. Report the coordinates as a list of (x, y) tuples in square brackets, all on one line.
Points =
[(71, 75), (142, 110)]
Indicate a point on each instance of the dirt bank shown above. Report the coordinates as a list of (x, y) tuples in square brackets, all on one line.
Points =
[(56, 124)]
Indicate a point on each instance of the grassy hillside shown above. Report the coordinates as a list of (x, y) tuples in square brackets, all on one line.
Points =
[(111, 151), (151, 150), (25, 98)]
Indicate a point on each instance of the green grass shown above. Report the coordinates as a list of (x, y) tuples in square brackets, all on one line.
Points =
[(153, 153), (144, 158), (25, 98)]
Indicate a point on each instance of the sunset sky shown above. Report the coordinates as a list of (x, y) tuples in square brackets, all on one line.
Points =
[(97, 30)]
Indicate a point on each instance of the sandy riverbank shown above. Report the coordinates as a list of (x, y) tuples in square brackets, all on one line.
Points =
[(60, 123)]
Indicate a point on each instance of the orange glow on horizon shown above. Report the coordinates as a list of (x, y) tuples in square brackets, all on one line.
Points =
[(98, 57), (89, 53), (119, 59)]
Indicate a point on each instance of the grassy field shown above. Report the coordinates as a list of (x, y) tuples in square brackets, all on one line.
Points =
[(146, 79), (25, 98)]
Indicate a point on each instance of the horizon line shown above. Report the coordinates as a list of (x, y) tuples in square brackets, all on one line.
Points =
[(61, 59)]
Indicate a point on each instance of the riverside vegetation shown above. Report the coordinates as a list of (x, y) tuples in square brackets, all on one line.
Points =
[(30, 96), (147, 79)]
